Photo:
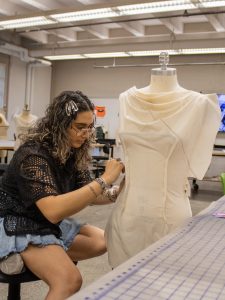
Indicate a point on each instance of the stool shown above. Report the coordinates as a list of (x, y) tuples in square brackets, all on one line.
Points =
[(14, 282)]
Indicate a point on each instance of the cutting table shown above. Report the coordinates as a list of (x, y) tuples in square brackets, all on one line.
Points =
[(187, 264)]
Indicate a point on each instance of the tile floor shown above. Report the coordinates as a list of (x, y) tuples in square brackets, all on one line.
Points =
[(97, 215)]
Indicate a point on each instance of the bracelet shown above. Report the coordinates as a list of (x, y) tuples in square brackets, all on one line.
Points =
[(101, 182), (92, 189), (111, 193)]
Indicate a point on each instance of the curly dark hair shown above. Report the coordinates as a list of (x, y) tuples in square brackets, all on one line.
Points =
[(51, 130)]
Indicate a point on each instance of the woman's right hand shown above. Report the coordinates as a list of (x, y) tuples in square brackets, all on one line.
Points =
[(113, 169)]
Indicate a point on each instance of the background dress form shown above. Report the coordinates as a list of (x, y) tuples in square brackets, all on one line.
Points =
[(167, 134), (23, 122)]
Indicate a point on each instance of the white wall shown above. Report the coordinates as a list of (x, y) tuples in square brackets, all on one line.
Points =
[(40, 94), (108, 83), (16, 90)]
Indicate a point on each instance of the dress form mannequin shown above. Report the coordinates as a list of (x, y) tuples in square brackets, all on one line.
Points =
[(23, 122), (167, 134), (4, 125)]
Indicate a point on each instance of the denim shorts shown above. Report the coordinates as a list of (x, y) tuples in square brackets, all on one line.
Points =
[(16, 244)]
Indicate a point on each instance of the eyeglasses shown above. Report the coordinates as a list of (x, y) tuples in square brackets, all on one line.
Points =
[(84, 131)]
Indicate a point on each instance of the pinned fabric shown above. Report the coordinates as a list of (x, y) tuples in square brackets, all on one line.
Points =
[(100, 111)]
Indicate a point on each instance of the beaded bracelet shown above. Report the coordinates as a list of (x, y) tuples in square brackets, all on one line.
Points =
[(102, 183)]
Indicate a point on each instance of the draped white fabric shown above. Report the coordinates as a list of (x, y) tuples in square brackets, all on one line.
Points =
[(166, 137)]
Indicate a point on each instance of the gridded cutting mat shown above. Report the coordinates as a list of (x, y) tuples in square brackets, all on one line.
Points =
[(188, 264)]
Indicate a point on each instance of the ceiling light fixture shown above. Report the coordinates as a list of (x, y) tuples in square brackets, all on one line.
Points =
[(105, 55), (109, 12), (163, 6), (65, 57), (210, 4), (25, 22), (203, 51), (179, 51), (138, 53), (85, 15)]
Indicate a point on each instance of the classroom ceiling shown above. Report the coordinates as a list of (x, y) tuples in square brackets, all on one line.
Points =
[(200, 26)]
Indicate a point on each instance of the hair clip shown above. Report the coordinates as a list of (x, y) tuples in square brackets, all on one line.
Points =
[(71, 108)]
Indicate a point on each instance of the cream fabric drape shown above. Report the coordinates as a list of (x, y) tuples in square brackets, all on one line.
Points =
[(166, 137)]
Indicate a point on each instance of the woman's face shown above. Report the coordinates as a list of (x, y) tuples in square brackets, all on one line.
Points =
[(81, 128)]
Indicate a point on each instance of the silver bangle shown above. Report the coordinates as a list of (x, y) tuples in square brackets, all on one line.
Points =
[(101, 182)]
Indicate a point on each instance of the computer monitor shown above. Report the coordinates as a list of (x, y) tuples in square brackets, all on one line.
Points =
[(221, 99)]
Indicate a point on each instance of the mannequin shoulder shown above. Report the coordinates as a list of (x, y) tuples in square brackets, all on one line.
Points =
[(127, 93), (34, 117), (203, 97), (25, 120), (213, 98), (210, 98), (3, 121), (211, 102)]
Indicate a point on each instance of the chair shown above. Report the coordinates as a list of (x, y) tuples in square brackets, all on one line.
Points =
[(14, 282), (222, 178)]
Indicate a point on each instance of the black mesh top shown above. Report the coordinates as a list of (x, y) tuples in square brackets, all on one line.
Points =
[(33, 174)]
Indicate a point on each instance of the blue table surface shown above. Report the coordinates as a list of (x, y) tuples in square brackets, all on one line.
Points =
[(187, 264)]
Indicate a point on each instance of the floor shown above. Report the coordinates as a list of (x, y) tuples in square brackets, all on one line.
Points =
[(97, 215)]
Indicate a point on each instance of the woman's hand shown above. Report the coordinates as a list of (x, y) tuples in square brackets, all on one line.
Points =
[(113, 169)]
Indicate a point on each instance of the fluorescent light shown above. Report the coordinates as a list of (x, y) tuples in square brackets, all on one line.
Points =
[(162, 6), (203, 51), (145, 53), (102, 55), (65, 57), (85, 15), (26, 22), (179, 51), (110, 12), (207, 3), (138, 53), (155, 52)]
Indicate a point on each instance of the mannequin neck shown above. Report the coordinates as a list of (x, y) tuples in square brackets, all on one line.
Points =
[(25, 118), (25, 112), (162, 81)]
